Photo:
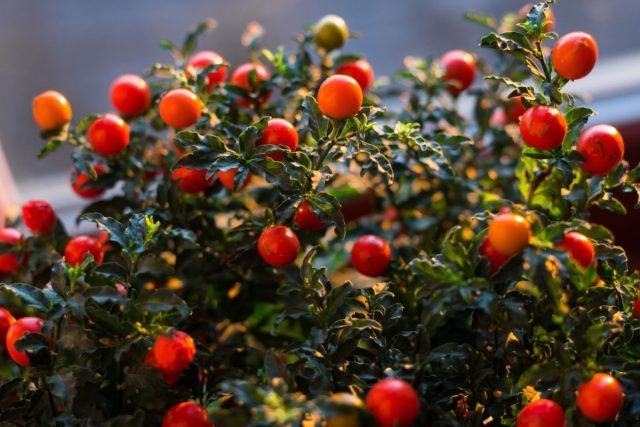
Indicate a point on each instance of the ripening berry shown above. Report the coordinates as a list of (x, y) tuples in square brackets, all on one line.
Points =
[(371, 255), (509, 233), (38, 216), (340, 97), (180, 108), (393, 403), (278, 246), (51, 110), (79, 246)]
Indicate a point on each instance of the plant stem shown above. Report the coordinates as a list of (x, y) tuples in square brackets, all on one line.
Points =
[(545, 68)]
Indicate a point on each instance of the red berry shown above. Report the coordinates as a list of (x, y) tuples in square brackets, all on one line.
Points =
[(202, 60), (227, 178), (191, 181), (543, 127), (515, 109), (16, 332), (278, 245), (601, 398), (171, 354), (130, 95), (360, 70), (579, 247), (279, 132), (371, 255), (241, 77), (77, 247), (186, 414), (6, 320), (459, 69), (83, 184), (495, 258), (393, 403), (108, 135), (636, 306), (574, 55), (9, 262), (38, 216), (340, 97), (541, 413), (602, 147), (307, 218), (180, 108)]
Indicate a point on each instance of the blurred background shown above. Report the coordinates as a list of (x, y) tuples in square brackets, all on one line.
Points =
[(79, 47)]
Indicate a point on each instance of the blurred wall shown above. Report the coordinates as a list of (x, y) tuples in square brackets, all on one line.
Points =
[(79, 47)]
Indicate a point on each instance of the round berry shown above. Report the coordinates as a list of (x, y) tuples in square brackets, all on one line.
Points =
[(574, 55), (371, 255), (202, 60), (543, 127), (579, 248), (130, 95), (330, 32), (51, 110), (459, 69), (601, 398), (38, 216), (279, 132), (242, 77), (340, 97), (278, 246), (108, 135), (6, 320), (83, 185), (191, 181), (541, 413), (180, 108), (393, 403), (9, 261), (15, 333), (495, 258), (186, 414), (360, 70), (307, 219), (509, 233), (79, 246), (602, 148)]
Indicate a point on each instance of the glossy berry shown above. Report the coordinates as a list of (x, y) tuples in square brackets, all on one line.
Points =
[(38, 216), (186, 414), (509, 233), (202, 60), (543, 127), (495, 258), (541, 413), (108, 135), (574, 55), (191, 181), (340, 97), (130, 95), (371, 255), (171, 354), (330, 33), (360, 70), (601, 398), (636, 306), (79, 246), (459, 68), (514, 109), (241, 77), (16, 332), (307, 219), (180, 108), (51, 110), (83, 184), (9, 261), (278, 245), (602, 148), (279, 132), (393, 403), (227, 178), (6, 320), (579, 248)]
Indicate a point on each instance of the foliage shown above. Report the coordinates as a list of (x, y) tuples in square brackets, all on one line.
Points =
[(273, 344)]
